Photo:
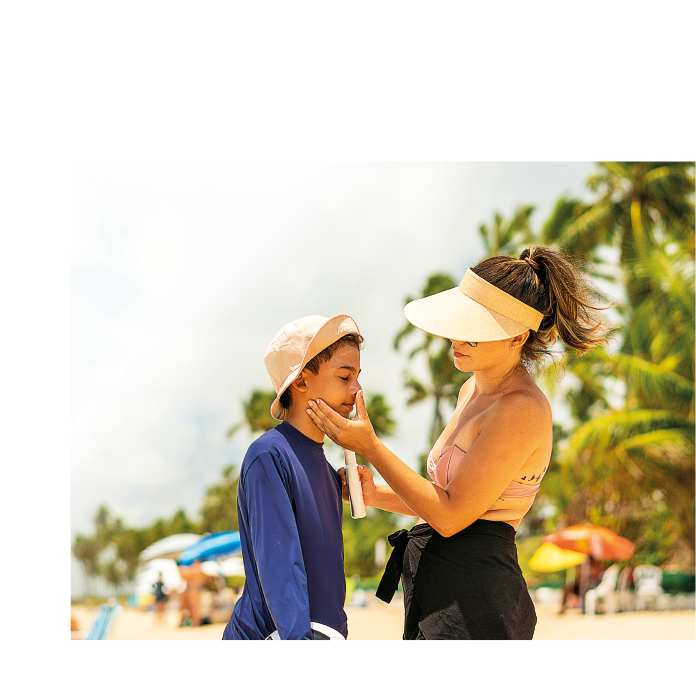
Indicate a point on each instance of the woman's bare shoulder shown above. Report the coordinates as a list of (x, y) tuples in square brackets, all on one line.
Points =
[(526, 402), (465, 390)]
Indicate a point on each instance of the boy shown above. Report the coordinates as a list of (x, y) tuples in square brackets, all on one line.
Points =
[(289, 497)]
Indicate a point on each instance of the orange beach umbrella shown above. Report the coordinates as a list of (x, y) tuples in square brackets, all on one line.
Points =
[(599, 542)]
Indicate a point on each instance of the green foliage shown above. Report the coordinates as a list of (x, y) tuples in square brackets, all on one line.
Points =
[(508, 237), (219, 510), (235, 582), (257, 413), (86, 550), (112, 552), (646, 445), (380, 414), (635, 200), (359, 537)]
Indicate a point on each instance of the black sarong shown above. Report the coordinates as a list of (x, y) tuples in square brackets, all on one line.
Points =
[(465, 587)]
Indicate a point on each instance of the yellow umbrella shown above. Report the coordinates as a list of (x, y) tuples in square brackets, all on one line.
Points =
[(549, 557)]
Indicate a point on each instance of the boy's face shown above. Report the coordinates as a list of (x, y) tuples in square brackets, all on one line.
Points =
[(337, 381)]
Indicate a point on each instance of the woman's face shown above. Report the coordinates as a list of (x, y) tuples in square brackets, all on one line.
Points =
[(476, 356)]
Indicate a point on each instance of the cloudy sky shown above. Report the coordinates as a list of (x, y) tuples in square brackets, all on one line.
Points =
[(182, 274)]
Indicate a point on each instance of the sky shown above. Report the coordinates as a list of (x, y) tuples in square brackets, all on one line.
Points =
[(182, 274)]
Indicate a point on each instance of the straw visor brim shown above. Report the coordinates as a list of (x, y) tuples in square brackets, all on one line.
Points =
[(454, 315), (332, 330)]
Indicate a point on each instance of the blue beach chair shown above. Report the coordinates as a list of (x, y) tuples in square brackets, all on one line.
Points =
[(105, 620)]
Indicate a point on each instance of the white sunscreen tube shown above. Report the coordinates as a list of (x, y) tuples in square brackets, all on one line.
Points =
[(357, 507)]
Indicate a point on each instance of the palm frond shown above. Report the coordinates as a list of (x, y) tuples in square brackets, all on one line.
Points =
[(419, 391), (605, 433), (666, 448), (655, 383)]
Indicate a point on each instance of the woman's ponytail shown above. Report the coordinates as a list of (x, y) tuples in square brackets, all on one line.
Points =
[(549, 281)]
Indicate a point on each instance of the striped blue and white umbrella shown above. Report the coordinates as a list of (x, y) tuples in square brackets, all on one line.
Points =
[(212, 547)]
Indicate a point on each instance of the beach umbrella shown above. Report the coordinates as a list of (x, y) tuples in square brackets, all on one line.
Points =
[(232, 566), (226, 567), (148, 574), (549, 558), (169, 547), (212, 547), (599, 542)]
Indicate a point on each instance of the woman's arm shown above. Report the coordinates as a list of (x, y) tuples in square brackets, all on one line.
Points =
[(375, 495), (386, 499), (513, 429)]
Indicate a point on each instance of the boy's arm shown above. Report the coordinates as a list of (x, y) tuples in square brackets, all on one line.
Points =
[(277, 548)]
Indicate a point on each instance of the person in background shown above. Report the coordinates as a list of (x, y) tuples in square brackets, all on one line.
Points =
[(161, 597), (190, 600), (587, 576)]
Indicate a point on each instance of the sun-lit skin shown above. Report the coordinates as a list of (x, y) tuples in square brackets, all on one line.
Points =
[(492, 361), (336, 384), (500, 397)]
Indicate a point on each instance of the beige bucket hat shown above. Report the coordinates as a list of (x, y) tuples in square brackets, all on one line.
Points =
[(297, 344), (475, 311)]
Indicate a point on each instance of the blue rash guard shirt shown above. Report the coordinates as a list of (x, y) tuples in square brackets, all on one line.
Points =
[(290, 515)]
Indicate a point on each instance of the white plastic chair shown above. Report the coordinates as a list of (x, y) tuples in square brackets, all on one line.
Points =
[(648, 582), (626, 597), (605, 590)]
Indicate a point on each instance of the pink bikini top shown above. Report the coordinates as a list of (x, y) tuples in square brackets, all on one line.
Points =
[(443, 470)]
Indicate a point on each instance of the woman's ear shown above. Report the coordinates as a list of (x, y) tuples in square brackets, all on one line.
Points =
[(519, 340)]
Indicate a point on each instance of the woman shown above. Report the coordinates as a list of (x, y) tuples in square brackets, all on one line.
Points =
[(459, 564)]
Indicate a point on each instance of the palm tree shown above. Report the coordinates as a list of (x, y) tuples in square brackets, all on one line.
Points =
[(219, 510), (635, 198), (647, 445), (257, 413), (508, 237), (87, 551)]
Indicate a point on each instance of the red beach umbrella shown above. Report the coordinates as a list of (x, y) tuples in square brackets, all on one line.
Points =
[(599, 542)]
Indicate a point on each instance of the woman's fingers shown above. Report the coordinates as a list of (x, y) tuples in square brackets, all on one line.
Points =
[(360, 409), (325, 418), (327, 412), (318, 416)]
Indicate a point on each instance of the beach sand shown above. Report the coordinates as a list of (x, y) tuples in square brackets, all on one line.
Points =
[(385, 622)]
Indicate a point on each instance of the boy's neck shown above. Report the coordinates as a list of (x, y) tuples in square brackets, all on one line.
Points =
[(298, 418)]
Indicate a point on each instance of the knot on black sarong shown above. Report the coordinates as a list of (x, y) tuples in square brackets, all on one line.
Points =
[(392, 570)]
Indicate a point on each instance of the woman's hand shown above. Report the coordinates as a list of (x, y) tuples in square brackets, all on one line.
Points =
[(367, 484), (353, 434)]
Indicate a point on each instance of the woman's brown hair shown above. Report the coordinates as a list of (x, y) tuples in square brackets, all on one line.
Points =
[(549, 281)]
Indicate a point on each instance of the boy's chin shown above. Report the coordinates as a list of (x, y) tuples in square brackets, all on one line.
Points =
[(344, 410)]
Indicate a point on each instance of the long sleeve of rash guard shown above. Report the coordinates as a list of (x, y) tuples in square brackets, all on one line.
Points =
[(276, 544)]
